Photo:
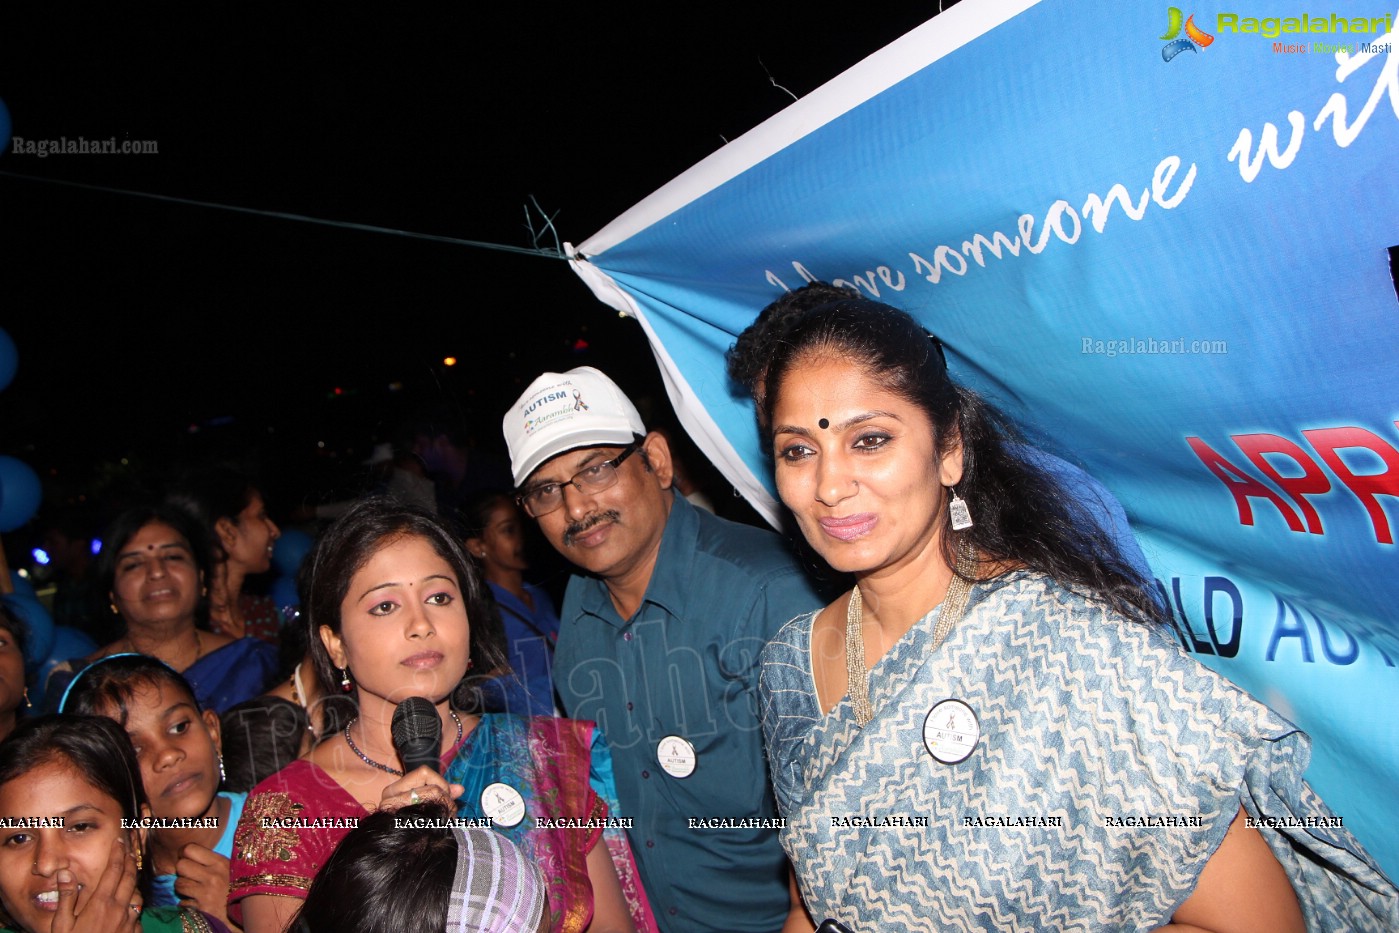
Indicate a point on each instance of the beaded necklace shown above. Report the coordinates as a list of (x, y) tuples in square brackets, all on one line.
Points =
[(374, 764)]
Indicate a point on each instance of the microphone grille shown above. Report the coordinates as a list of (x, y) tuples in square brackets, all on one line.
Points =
[(414, 719)]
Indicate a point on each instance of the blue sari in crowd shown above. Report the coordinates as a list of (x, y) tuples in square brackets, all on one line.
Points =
[(224, 677)]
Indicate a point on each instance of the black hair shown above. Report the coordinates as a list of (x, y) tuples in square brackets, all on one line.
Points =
[(212, 494), (349, 543), (260, 737), (476, 514), (384, 877), (748, 359), (105, 687), (12, 623), (129, 523), (1022, 516), (94, 746), (336, 708)]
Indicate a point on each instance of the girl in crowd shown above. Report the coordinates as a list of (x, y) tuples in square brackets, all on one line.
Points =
[(397, 611), (388, 876), (242, 535), (154, 565), (496, 539), (1000, 671), (13, 692), (261, 737), (265, 734), (178, 748), (83, 871)]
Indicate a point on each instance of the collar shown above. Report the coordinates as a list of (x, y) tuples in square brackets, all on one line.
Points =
[(670, 587)]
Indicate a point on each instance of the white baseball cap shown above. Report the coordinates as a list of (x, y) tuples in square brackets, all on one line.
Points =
[(564, 411)]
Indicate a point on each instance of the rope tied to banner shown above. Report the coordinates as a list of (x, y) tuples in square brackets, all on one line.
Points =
[(547, 225)]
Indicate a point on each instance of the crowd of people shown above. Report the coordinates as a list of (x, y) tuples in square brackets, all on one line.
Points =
[(949, 702)]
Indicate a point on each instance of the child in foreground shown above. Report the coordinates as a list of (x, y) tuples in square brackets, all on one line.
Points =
[(67, 862), (178, 747)]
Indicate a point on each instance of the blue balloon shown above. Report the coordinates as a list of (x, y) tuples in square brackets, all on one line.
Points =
[(20, 492), (289, 550), (4, 141), (38, 624), (283, 593), (9, 353), (68, 643), (21, 586)]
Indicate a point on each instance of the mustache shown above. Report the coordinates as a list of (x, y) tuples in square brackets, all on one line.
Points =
[(588, 524)]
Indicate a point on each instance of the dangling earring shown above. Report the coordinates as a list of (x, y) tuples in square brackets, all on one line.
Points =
[(115, 610), (957, 508), (27, 703), (345, 679), (470, 664), (223, 775), (140, 862)]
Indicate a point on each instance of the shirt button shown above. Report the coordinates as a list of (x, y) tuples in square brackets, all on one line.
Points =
[(629, 707), (672, 911), (646, 774), (626, 635), (650, 844)]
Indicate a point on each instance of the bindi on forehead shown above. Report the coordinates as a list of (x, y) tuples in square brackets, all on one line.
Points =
[(152, 548)]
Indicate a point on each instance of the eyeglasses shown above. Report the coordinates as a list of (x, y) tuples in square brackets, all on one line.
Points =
[(546, 498)]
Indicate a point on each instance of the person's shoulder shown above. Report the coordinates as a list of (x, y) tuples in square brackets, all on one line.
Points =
[(236, 798), (296, 778), (582, 590), (300, 791), (792, 642), (1029, 597), (542, 600), (755, 550), (246, 647), (1081, 630), (121, 646), (213, 641)]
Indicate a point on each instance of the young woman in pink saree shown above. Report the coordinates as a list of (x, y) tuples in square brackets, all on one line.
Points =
[(396, 611)]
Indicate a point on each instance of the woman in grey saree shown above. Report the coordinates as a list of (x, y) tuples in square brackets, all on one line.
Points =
[(992, 730)]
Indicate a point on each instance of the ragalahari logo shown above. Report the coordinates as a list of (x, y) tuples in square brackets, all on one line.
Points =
[(1194, 36)]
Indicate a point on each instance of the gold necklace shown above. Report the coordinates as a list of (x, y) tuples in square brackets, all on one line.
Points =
[(954, 604)]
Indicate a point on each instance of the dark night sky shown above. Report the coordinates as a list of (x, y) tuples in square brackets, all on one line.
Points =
[(139, 320)]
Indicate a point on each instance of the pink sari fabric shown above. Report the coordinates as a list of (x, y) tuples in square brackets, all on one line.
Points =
[(557, 765), (562, 770), (269, 858)]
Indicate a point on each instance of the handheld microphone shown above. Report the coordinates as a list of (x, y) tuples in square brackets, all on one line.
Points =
[(417, 734)]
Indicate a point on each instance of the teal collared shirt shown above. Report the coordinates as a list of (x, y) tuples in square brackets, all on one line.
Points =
[(685, 665)]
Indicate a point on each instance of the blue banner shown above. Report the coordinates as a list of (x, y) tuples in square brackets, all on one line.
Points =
[(1167, 261)]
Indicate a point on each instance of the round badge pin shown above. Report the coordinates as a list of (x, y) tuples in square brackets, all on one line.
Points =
[(676, 756), (503, 804), (951, 731)]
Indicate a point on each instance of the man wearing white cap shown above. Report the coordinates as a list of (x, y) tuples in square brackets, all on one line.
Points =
[(659, 641)]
